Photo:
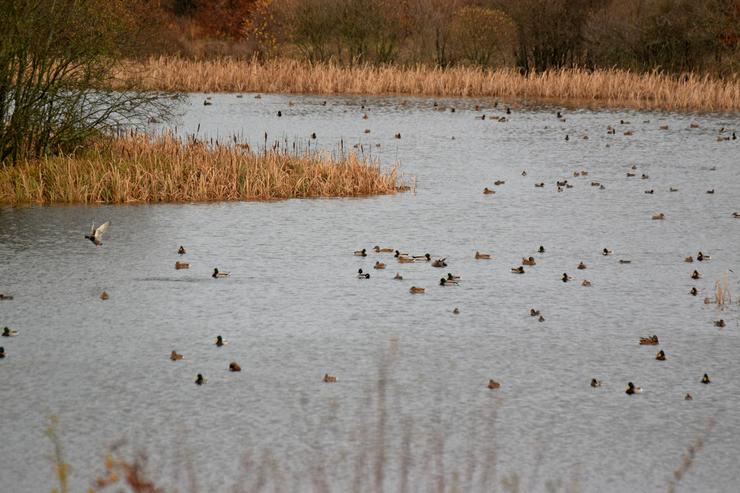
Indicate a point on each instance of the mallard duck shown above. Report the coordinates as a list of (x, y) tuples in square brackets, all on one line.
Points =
[(660, 356), (426, 257), (630, 175), (456, 311), (629, 132), (623, 261), (200, 379), (710, 191), (576, 174), (694, 125), (663, 127), (606, 252), (448, 282), (175, 356), (279, 113), (182, 265), (415, 290), (329, 378), (707, 301), (220, 341), (584, 173), (581, 266), (400, 254), (528, 261), (694, 291), (649, 341), (379, 249), (717, 323), (634, 166), (379, 265), (541, 319), (524, 173), (452, 278), (701, 257), (96, 234), (518, 270), (482, 256), (586, 283), (2, 352), (533, 312), (659, 216), (622, 122), (539, 185), (217, 273), (398, 135), (705, 379), (595, 383), (631, 389), (567, 137), (181, 250), (671, 189), (561, 183), (541, 249), (695, 275), (405, 260), (493, 384), (602, 187), (488, 191), (566, 277), (440, 262), (499, 182), (611, 130), (688, 259), (5, 297), (104, 296), (644, 176), (234, 366), (651, 191), (362, 275), (360, 253), (736, 215), (398, 277), (688, 397), (7, 332)]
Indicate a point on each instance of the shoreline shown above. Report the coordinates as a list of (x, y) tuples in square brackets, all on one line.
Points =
[(570, 88)]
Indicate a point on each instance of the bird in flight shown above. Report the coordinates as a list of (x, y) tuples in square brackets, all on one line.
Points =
[(97, 233)]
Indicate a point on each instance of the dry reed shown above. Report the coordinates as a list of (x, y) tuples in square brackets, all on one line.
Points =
[(722, 294), (598, 87), (137, 168)]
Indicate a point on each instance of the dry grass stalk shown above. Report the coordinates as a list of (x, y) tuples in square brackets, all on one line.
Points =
[(722, 295), (138, 168), (601, 87)]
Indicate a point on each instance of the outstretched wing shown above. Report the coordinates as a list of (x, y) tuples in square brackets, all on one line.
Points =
[(92, 228), (101, 229)]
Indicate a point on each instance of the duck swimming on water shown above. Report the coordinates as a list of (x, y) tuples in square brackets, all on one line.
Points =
[(362, 275), (631, 389), (7, 332), (199, 379), (181, 250), (217, 273), (175, 356)]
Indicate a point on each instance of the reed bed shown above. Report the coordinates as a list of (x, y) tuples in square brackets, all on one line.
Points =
[(600, 87), (138, 168)]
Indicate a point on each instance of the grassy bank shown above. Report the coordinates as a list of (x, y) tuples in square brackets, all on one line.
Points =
[(140, 169), (602, 87)]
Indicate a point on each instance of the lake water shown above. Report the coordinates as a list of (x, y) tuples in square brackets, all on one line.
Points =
[(410, 410)]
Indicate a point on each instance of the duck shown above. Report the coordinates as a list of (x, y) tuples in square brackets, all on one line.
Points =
[(707, 301), (671, 189), (175, 356), (96, 234), (541, 249), (181, 250), (7, 332), (452, 278), (561, 183), (425, 258), (398, 135), (606, 252), (217, 273), (182, 265), (701, 257), (717, 323), (644, 176), (313, 135), (622, 122), (493, 384), (524, 173), (220, 341), (567, 137), (541, 319), (448, 282), (586, 283), (456, 311), (482, 256), (440, 262), (649, 341), (694, 291), (415, 290), (736, 215), (566, 277), (659, 216), (539, 185), (379, 265), (581, 266), (329, 378), (630, 175), (405, 260), (528, 261), (499, 182), (660, 356), (576, 174), (2, 352), (624, 261), (488, 191), (360, 253), (629, 132), (611, 130), (200, 379), (688, 397), (207, 103), (695, 275), (398, 277), (595, 383), (362, 275), (584, 173), (379, 249), (533, 312), (104, 296), (663, 127), (234, 366), (5, 297), (279, 113), (400, 254), (518, 270), (688, 259), (631, 389), (651, 191), (705, 379)]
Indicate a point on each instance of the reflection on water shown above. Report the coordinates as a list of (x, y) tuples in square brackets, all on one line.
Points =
[(294, 310)]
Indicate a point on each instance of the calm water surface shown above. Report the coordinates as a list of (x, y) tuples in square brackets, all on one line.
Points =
[(293, 310)]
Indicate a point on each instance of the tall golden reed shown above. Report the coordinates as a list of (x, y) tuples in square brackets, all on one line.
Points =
[(600, 87), (138, 168)]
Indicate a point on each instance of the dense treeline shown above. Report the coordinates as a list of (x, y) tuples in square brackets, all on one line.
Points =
[(534, 35)]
